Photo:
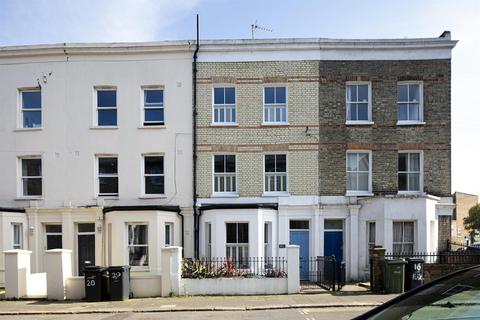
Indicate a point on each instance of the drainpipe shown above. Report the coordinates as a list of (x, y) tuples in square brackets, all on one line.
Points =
[(194, 115)]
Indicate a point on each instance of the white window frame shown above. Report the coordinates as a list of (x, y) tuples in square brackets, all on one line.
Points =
[(96, 108), (420, 152), (18, 225), (224, 175), (370, 165), (144, 175), (20, 193), (403, 235), (244, 247), (21, 110), (51, 233), (369, 121), (154, 124), (370, 245), (420, 103), (224, 106), (169, 226), (267, 235), (128, 245), (208, 240), (280, 193), (98, 176), (275, 106)]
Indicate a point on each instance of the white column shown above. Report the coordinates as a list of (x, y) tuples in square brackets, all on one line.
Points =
[(293, 269), (68, 234), (316, 232), (17, 270), (353, 243), (58, 263), (282, 232), (171, 270)]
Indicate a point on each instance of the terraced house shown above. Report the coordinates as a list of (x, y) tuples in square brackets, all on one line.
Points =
[(334, 145)]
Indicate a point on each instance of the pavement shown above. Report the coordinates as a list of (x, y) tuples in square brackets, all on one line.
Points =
[(348, 298)]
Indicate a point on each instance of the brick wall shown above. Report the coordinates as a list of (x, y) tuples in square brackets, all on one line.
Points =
[(463, 203), (250, 140), (317, 138), (384, 137), (444, 232)]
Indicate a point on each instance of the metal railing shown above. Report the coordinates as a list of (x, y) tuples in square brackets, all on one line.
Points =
[(250, 267), (447, 257), (322, 271)]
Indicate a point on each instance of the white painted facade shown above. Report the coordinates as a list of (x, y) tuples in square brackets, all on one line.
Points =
[(69, 141)]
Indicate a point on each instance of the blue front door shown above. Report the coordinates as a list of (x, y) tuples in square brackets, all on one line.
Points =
[(301, 238), (333, 244)]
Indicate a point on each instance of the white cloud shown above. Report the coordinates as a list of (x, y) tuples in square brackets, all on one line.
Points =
[(49, 21)]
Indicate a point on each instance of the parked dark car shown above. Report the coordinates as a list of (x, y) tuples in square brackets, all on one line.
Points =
[(454, 296)]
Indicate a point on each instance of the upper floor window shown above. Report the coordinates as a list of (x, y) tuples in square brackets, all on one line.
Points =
[(107, 176), (410, 102), (31, 108), (106, 107), (275, 105), (153, 112), (17, 236), (409, 171), (137, 245), (276, 173), (154, 175), (224, 105), (359, 104), (358, 172), (224, 176), (31, 176)]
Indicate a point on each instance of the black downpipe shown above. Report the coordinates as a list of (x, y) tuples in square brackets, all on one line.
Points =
[(196, 224)]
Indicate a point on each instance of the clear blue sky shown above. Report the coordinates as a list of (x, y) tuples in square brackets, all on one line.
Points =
[(53, 21)]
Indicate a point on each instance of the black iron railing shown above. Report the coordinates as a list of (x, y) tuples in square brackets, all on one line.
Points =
[(322, 271), (251, 267)]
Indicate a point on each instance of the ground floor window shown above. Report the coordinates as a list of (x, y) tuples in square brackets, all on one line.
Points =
[(208, 240), (237, 241), (267, 239), (168, 234), (17, 236), (53, 234), (371, 234), (138, 245), (403, 236)]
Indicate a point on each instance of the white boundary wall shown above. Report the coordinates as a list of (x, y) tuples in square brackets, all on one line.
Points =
[(233, 286)]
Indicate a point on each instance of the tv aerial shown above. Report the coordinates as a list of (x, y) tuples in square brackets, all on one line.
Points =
[(255, 26)]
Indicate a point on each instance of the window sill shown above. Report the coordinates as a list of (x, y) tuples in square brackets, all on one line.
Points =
[(411, 193), (359, 123), (226, 124), (140, 269), (153, 196), (225, 195), (107, 197), (410, 123), (104, 128), (152, 127), (27, 198), (27, 129), (276, 194), (275, 124), (359, 194)]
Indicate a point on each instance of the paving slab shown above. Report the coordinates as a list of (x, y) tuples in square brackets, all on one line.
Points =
[(194, 303)]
